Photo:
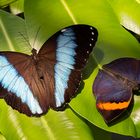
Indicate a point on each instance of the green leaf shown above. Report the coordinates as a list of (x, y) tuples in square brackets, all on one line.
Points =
[(53, 126), (113, 42), (44, 18), (51, 17), (86, 100), (5, 2), (2, 137), (12, 33), (100, 134), (128, 13), (17, 7)]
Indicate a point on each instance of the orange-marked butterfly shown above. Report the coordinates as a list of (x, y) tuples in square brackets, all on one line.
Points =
[(114, 85)]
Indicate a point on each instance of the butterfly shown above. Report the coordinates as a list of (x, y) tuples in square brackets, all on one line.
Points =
[(32, 84), (114, 87)]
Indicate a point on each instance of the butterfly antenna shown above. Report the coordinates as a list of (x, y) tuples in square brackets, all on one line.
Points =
[(36, 36), (27, 40)]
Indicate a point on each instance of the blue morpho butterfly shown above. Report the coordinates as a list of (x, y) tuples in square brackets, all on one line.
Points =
[(34, 83)]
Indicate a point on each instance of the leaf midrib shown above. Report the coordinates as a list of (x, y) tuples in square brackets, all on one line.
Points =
[(8, 40)]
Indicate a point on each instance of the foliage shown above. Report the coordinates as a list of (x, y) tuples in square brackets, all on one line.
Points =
[(42, 19)]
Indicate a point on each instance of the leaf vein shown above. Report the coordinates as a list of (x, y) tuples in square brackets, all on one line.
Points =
[(69, 11)]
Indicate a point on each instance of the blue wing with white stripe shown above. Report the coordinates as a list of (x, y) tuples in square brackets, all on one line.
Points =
[(74, 45), (11, 82)]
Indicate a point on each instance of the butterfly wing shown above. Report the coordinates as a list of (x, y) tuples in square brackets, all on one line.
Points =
[(67, 51), (113, 87), (20, 85)]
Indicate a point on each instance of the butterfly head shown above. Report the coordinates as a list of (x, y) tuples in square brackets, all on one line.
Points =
[(34, 54)]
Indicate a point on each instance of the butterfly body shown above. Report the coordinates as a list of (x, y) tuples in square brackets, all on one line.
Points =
[(34, 83)]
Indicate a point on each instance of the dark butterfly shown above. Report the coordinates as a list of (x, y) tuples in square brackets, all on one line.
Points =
[(114, 87), (34, 83)]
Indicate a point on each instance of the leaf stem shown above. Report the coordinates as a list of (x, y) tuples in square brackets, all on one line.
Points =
[(69, 11), (47, 128)]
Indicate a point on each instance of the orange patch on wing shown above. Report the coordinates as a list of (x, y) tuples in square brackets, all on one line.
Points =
[(113, 106)]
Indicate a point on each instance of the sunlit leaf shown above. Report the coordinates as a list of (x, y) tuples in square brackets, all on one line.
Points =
[(55, 125), (42, 19), (17, 7), (12, 33), (2, 137), (113, 42), (128, 13), (5, 2)]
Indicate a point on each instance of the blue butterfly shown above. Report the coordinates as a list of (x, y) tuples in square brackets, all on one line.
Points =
[(34, 83)]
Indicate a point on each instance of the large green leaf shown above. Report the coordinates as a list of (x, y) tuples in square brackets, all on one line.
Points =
[(113, 39), (114, 42), (54, 126), (44, 18)]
